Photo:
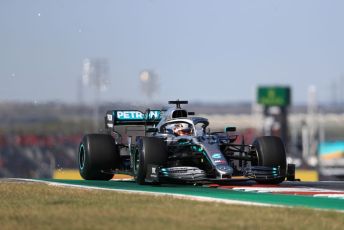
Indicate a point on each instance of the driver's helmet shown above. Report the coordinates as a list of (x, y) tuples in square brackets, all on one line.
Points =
[(182, 129)]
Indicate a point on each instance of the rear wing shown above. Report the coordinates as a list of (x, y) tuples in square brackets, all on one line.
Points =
[(132, 117)]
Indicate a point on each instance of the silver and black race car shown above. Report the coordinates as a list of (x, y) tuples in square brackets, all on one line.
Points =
[(174, 145)]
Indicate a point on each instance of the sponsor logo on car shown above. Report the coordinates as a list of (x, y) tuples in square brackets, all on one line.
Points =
[(219, 161), (216, 155), (109, 117), (136, 115)]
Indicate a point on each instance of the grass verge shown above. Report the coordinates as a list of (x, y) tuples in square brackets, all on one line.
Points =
[(39, 206)]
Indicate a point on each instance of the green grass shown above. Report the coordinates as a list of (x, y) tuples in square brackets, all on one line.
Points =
[(39, 206)]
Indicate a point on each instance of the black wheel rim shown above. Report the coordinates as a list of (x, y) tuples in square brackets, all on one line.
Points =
[(136, 162)]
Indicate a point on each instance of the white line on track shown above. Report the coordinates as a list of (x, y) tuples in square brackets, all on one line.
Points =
[(278, 189), (316, 192), (179, 196)]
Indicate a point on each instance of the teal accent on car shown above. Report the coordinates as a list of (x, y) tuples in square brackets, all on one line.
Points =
[(216, 156), (82, 164)]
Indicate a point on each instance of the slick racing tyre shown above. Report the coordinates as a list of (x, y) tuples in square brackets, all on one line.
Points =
[(271, 153), (97, 153), (151, 151)]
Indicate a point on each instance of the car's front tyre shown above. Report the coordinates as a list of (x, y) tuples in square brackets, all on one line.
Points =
[(150, 151), (271, 153)]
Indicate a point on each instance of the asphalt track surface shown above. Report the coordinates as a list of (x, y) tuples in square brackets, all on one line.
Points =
[(315, 195)]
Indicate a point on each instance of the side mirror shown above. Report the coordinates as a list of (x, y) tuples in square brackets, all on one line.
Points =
[(191, 113), (230, 129), (152, 130)]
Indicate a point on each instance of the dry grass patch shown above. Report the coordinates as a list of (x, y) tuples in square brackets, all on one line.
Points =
[(39, 206)]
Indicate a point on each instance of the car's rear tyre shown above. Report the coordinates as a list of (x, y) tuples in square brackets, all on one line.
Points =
[(97, 153), (271, 153), (150, 151)]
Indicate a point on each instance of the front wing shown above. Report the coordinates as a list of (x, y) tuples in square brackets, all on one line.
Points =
[(186, 174)]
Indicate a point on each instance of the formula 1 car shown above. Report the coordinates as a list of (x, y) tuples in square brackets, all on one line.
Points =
[(174, 145)]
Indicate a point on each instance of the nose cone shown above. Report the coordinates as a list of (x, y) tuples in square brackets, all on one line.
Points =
[(224, 170)]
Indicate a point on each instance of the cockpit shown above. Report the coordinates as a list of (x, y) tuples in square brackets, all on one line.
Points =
[(194, 126)]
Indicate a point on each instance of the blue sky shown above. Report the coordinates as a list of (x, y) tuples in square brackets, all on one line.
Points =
[(210, 51)]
